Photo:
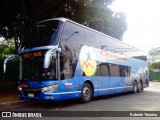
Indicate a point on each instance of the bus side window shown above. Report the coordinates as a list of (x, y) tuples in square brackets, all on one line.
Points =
[(104, 70), (62, 68), (74, 64), (97, 73), (124, 70), (67, 65), (114, 70), (65, 68), (128, 71)]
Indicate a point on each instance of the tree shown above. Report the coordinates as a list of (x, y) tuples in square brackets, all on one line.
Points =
[(6, 47), (154, 58), (19, 15), (97, 15), (155, 65), (154, 54)]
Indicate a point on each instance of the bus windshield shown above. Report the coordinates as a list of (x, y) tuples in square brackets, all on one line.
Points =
[(42, 34), (32, 69)]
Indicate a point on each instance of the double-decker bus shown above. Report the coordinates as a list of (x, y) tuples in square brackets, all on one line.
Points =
[(61, 59)]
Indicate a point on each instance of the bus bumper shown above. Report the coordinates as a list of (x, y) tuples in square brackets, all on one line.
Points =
[(49, 96)]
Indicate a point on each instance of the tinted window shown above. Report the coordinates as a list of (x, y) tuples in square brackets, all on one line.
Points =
[(67, 65), (76, 36), (141, 57), (42, 34), (102, 69), (113, 70), (124, 70)]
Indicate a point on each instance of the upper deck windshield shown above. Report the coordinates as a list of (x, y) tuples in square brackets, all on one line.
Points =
[(43, 34)]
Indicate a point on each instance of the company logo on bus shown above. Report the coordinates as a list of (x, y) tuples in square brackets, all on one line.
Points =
[(113, 56), (87, 61)]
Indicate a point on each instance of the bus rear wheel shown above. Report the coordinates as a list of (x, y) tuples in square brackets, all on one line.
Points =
[(140, 87), (135, 87), (87, 93)]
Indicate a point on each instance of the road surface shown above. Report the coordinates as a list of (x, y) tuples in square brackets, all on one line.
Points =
[(148, 100)]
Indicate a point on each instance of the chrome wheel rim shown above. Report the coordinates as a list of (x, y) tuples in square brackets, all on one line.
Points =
[(135, 88), (86, 92)]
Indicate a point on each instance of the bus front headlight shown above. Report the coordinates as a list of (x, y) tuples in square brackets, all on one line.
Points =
[(49, 88), (19, 88)]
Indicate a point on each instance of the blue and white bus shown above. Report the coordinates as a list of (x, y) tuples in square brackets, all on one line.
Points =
[(61, 59)]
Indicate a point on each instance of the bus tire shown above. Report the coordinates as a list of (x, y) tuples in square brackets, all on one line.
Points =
[(135, 87), (87, 93), (140, 86)]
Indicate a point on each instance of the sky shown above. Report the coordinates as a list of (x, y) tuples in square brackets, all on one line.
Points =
[(143, 19)]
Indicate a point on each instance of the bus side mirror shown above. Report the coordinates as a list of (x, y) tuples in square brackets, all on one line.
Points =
[(47, 58), (4, 65), (10, 57)]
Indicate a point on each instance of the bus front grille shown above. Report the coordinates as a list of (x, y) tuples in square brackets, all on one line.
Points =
[(31, 92)]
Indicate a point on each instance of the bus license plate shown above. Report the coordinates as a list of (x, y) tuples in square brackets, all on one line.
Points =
[(30, 95)]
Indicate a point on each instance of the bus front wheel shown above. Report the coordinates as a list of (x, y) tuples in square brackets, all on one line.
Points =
[(87, 93)]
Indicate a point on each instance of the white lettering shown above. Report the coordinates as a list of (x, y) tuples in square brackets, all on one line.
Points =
[(34, 115), (150, 115), (137, 114)]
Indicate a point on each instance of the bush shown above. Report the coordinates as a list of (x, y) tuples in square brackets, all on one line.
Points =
[(155, 65)]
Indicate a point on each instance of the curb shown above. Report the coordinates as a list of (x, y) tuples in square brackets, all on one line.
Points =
[(14, 102)]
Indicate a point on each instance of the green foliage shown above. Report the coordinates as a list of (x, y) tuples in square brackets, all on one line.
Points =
[(6, 48), (100, 17), (2, 48), (9, 50), (150, 65), (155, 65), (21, 14), (97, 15)]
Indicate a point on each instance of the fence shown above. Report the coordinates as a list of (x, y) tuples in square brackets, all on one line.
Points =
[(154, 75)]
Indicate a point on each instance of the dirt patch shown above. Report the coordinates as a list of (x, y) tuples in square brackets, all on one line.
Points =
[(8, 97)]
